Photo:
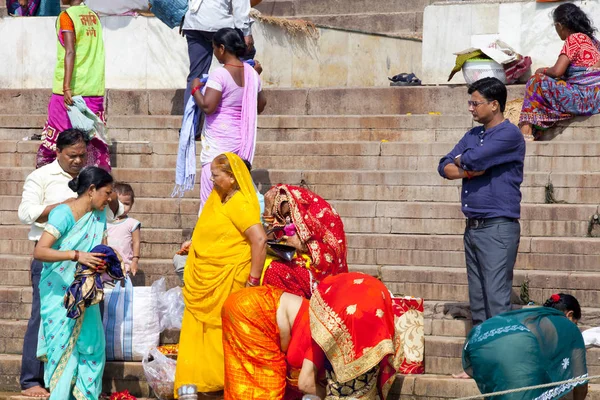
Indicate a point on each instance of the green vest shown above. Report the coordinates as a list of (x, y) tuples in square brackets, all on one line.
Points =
[(88, 69)]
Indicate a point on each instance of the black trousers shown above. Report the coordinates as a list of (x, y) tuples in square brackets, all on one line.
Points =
[(32, 369)]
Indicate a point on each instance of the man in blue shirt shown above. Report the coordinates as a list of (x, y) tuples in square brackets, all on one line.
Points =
[(489, 160)]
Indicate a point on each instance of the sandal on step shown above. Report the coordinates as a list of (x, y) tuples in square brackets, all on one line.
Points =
[(405, 80)]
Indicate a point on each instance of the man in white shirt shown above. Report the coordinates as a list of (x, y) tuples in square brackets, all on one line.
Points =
[(202, 20), (44, 189)]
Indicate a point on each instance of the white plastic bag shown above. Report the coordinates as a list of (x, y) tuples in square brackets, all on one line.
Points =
[(160, 374), (170, 305), (591, 337), (117, 7), (130, 321)]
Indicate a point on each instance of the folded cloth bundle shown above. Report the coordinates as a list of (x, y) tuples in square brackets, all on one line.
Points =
[(87, 289), (85, 120)]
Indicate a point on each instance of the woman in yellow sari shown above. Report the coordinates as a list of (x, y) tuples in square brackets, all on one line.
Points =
[(227, 253)]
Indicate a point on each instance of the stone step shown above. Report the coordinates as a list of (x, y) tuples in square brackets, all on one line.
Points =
[(542, 156), (348, 185), (388, 23), (422, 128), (386, 217), (14, 268), (452, 225), (447, 100), (316, 7), (450, 284), (360, 209), (118, 376), (419, 387), (443, 355)]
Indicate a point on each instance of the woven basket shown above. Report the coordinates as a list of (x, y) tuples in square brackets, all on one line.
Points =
[(513, 110)]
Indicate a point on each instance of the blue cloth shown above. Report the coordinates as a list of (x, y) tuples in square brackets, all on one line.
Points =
[(49, 8), (87, 288), (500, 151), (171, 12), (185, 171)]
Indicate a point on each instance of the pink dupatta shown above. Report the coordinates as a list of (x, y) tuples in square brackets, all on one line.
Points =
[(249, 113)]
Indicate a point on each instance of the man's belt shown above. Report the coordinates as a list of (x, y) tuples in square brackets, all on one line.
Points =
[(475, 223)]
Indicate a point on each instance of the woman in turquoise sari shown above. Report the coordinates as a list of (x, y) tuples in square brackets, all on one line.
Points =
[(529, 347), (73, 349)]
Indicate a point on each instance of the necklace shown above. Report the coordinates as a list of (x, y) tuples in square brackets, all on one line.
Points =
[(229, 196), (236, 66)]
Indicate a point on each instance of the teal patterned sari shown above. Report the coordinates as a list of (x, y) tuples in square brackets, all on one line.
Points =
[(73, 349), (524, 348)]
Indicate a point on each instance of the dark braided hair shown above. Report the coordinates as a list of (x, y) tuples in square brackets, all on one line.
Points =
[(574, 19), (564, 302)]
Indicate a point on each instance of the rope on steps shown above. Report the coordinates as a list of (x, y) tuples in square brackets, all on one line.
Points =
[(569, 384)]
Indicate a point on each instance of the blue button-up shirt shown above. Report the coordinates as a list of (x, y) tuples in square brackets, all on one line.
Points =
[(500, 152)]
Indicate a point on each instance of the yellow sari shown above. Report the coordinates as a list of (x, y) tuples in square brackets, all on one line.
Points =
[(218, 264)]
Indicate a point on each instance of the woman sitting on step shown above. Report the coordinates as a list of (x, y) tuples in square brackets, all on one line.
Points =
[(572, 86), (276, 343), (529, 347), (308, 223), (73, 350)]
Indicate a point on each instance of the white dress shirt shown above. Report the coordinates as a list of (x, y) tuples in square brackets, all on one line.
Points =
[(43, 187), (212, 15)]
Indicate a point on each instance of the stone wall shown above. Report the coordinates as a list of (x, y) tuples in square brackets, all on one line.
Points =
[(526, 26), (143, 53)]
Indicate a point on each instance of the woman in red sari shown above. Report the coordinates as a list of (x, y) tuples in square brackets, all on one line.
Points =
[(352, 320), (307, 222)]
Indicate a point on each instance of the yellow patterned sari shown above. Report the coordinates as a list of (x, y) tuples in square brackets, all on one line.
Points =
[(218, 264)]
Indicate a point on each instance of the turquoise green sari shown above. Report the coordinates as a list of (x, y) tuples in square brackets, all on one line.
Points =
[(73, 350), (524, 348)]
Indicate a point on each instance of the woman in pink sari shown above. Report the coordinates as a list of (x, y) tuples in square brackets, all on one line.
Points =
[(232, 99)]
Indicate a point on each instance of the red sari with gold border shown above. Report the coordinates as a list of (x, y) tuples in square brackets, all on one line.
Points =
[(352, 319)]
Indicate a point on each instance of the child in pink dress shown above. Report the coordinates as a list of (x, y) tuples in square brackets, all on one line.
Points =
[(124, 232)]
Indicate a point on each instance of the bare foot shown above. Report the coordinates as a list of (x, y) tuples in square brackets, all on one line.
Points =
[(35, 391), (462, 375)]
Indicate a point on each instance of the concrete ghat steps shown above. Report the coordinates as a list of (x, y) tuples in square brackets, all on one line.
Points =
[(388, 23), (542, 156), (421, 128), (447, 100), (422, 186), (130, 375), (316, 7), (441, 318)]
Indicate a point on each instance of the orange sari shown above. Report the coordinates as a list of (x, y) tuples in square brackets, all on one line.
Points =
[(352, 319), (255, 366)]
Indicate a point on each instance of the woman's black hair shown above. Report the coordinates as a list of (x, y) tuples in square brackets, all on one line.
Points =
[(69, 138), (574, 19), (564, 302), (232, 39), (90, 176), (491, 89)]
